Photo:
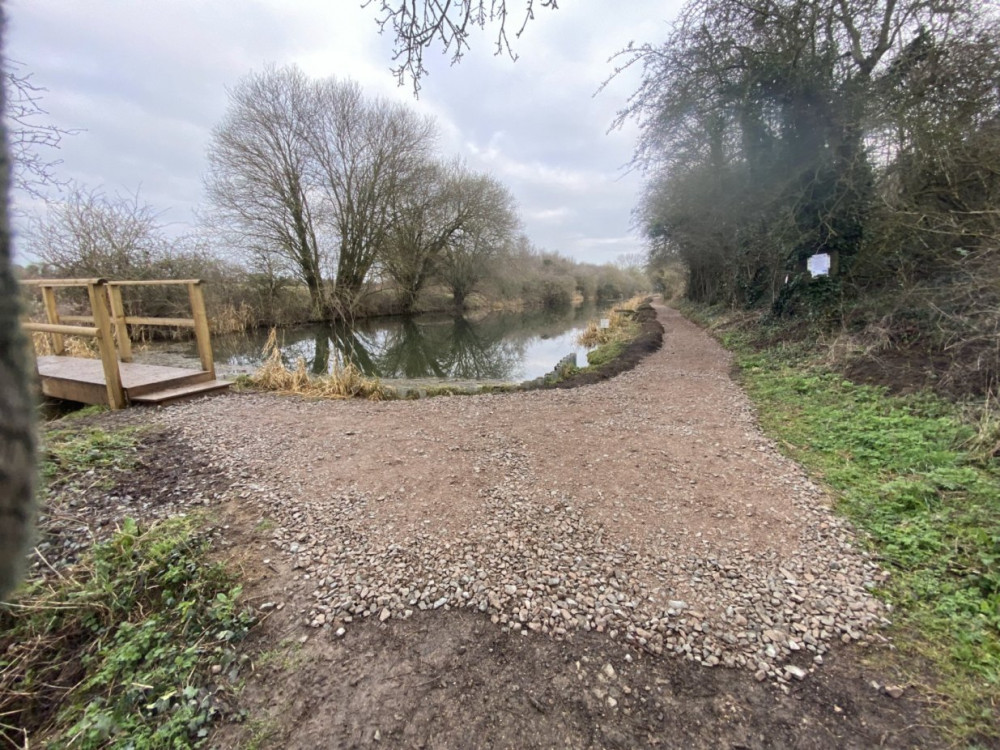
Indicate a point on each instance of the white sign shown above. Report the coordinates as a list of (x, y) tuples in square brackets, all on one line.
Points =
[(819, 264)]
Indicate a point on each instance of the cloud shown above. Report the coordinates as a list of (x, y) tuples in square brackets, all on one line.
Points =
[(550, 214), (147, 82)]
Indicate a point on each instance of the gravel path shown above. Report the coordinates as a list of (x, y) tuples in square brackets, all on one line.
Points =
[(648, 507)]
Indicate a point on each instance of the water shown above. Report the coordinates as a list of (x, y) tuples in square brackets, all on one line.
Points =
[(494, 348)]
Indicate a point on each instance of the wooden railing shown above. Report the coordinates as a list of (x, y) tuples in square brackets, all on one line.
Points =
[(108, 314)]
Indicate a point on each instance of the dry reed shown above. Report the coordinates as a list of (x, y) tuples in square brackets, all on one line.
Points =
[(85, 348), (621, 325), (345, 381), (233, 319)]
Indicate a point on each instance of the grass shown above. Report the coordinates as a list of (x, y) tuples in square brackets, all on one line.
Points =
[(116, 652), (621, 326), (606, 352), (912, 473), (71, 452), (610, 341), (346, 381)]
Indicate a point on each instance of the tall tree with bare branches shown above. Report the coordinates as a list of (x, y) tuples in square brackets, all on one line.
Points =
[(490, 228), (259, 175), (363, 153)]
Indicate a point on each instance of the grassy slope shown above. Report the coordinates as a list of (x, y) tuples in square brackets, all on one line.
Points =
[(907, 473), (116, 651)]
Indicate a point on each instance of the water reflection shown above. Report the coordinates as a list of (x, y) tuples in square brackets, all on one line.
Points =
[(498, 346)]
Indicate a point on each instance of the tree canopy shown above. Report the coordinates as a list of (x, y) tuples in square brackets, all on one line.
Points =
[(774, 130)]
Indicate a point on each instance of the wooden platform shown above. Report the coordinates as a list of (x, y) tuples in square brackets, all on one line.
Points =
[(82, 380)]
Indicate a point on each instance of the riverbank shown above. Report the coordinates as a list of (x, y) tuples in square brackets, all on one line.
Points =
[(625, 564)]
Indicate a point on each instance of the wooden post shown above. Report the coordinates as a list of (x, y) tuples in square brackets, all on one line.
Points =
[(201, 331), (105, 342), (52, 313), (121, 328)]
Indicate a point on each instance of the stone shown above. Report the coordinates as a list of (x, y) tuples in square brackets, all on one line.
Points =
[(797, 672)]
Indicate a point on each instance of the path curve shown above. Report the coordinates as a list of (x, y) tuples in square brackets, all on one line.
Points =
[(649, 507)]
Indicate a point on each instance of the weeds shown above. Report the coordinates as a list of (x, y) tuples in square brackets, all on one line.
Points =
[(621, 325), (75, 346), (346, 381), (610, 341), (69, 453), (232, 318), (984, 443), (116, 652)]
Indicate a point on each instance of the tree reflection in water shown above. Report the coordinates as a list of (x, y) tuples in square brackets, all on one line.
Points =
[(493, 347), (453, 348)]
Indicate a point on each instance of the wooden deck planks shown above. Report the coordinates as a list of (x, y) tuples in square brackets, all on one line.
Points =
[(81, 379)]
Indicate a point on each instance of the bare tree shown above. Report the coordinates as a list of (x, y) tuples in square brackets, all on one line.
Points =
[(259, 175), (427, 217), (90, 234), (307, 171), (363, 153), (419, 228), (30, 140), (416, 26), (490, 229)]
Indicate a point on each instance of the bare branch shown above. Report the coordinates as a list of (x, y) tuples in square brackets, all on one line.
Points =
[(417, 25), (29, 139)]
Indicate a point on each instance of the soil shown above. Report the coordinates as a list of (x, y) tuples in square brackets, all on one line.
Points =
[(506, 570), (955, 374)]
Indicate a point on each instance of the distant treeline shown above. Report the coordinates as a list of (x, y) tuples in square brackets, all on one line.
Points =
[(90, 234)]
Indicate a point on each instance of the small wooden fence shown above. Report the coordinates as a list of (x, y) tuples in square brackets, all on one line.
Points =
[(108, 324)]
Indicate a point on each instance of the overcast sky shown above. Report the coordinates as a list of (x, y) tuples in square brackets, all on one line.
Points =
[(146, 82)]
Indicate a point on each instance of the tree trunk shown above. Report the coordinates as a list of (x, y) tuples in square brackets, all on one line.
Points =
[(17, 440)]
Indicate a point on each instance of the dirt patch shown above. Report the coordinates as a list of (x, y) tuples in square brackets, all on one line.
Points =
[(955, 374), (454, 680), (166, 477)]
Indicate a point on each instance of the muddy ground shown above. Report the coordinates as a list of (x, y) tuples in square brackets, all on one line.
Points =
[(455, 680)]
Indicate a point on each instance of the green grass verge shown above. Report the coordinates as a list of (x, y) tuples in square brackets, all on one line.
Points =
[(116, 653), (72, 451), (607, 352), (929, 507)]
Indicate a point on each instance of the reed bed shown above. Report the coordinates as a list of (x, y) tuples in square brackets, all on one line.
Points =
[(345, 381), (74, 346), (233, 318), (621, 325)]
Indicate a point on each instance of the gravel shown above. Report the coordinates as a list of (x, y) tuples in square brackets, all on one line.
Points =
[(649, 508)]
